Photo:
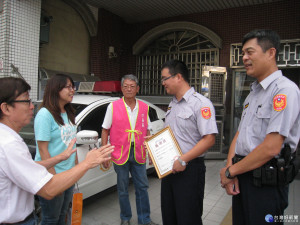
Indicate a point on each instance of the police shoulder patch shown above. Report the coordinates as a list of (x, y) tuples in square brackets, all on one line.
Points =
[(206, 113), (279, 102)]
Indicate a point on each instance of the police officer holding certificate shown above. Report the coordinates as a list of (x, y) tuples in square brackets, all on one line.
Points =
[(191, 117), (261, 159)]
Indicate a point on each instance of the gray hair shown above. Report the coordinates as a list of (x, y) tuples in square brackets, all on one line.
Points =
[(129, 77)]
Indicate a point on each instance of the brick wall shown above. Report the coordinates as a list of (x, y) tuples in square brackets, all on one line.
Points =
[(110, 33), (230, 25)]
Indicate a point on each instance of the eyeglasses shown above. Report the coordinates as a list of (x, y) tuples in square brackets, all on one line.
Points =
[(167, 78), (71, 87), (131, 87), (26, 101)]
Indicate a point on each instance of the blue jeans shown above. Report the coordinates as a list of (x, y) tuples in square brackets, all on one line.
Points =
[(140, 181), (54, 211), (31, 221)]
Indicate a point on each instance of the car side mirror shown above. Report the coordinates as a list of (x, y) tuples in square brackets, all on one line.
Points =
[(87, 137)]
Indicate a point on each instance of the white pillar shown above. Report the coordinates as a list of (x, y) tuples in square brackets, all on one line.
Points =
[(19, 40)]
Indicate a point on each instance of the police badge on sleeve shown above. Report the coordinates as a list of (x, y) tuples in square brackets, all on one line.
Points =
[(206, 113), (279, 102)]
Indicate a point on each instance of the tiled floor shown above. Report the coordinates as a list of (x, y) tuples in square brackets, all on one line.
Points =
[(104, 209), (216, 201)]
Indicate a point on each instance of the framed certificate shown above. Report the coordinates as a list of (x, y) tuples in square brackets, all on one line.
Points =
[(163, 149)]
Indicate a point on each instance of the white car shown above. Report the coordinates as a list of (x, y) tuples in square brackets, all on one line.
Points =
[(90, 112)]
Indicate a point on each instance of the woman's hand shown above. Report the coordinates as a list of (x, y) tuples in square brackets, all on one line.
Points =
[(69, 151)]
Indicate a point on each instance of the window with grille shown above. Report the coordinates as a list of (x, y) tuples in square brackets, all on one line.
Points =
[(187, 46)]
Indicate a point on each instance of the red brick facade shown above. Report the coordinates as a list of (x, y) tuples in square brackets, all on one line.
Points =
[(230, 25), (110, 33)]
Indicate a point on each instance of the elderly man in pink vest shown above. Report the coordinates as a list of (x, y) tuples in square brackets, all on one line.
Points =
[(127, 122)]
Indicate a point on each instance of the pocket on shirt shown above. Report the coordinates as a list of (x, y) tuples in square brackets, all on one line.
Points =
[(261, 120), (183, 120)]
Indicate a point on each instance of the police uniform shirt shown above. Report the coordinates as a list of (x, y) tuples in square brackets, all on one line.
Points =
[(273, 105), (190, 119)]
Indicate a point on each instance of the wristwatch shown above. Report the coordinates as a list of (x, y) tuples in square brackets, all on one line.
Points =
[(227, 173), (183, 163)]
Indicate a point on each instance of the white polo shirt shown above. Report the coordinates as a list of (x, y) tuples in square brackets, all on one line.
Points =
[(20, 177)]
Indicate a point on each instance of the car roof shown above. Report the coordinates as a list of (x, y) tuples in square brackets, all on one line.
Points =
[(88, 99)]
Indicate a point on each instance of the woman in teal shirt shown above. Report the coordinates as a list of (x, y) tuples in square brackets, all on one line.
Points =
[(54, 127)]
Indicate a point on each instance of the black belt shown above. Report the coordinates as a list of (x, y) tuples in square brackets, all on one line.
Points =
[(30, 216), (237, 158)]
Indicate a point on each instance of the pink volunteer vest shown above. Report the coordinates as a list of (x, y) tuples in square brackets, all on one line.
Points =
[(121, 131)]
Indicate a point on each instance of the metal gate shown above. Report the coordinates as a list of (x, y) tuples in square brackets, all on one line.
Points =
[(215, 90), (149, 66)]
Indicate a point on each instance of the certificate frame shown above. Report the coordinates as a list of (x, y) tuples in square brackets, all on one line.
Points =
[(163, 149)]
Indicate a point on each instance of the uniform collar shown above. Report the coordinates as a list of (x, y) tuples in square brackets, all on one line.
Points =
[(11, 131), (186, 96), (265, 83), (269, 79)]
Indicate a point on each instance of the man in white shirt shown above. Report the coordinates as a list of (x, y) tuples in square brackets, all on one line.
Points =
[(20, 177)]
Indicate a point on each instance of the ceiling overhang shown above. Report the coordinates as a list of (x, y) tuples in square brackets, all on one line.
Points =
[(135, 11)]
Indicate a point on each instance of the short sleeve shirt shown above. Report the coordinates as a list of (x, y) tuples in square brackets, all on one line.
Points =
[(20, 177), (273, 105), (190, 119), (58, 137)]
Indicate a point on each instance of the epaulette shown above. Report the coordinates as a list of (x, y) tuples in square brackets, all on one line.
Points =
[(197, 95)]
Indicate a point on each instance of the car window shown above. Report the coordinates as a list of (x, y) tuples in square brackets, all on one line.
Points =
[(27, 132), (78, 108), (94, 120), (152, 114)]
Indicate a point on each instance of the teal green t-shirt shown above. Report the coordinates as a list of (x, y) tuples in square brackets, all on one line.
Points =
[(58, 137)]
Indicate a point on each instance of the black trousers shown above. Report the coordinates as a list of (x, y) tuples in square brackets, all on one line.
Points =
[(182, 195), (253, 204)]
